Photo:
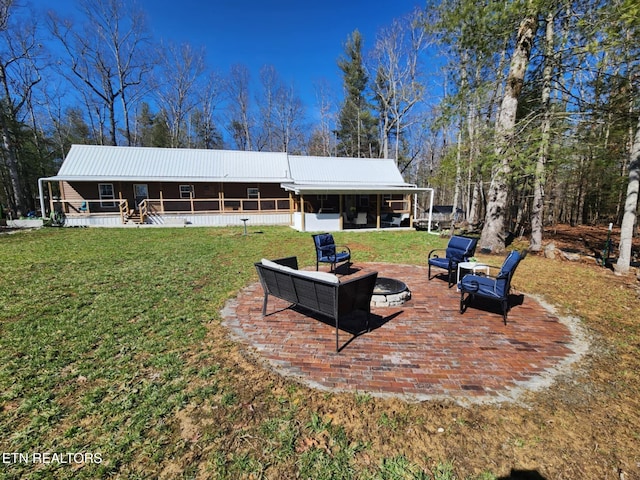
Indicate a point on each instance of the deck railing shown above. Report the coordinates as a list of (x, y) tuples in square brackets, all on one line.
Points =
[(123, 206), (218, 205), (175, 205)]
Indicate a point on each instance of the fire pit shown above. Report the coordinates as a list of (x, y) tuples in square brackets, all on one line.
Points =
[(389, 292)]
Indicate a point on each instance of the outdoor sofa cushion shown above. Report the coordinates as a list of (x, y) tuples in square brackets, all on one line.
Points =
[(326, 276)]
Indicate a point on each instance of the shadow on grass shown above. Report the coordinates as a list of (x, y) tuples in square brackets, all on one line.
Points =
[(523, 475)]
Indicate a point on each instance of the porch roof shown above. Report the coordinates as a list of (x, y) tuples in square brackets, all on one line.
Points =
[(351, 188)]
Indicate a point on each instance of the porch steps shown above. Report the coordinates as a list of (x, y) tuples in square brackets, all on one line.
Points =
[(132, 218)]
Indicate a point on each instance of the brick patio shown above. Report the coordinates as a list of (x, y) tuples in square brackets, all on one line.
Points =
[(424, 349)]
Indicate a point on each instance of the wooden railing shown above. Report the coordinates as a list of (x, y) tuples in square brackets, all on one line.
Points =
[(123, 206), (151, 206), (143, 209), (218, 205)]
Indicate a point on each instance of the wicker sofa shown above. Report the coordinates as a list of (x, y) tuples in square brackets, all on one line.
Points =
[(320, 292)]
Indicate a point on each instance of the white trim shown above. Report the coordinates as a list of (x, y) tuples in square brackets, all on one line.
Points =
[(108, 201)]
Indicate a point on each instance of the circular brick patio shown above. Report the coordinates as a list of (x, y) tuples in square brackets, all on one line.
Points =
[(423, 349)]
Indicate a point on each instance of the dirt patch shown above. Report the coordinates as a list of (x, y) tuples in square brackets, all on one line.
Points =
[(588, 241)]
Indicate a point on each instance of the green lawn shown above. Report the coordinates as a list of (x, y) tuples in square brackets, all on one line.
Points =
[(111, 352), (100, 335)]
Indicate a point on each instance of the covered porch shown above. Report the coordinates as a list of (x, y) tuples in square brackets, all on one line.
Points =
[(335, 208)]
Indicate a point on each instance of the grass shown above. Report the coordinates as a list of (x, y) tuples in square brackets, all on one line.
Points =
[(110, 345)]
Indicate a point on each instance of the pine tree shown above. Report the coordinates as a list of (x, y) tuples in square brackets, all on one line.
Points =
[(357, 126)]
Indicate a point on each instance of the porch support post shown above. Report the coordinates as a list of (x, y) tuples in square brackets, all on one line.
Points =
[(302, 220), (50, 197), (122, 213), (161, 203), (291, 212), (378, 208), (341, 220), (412, 208)]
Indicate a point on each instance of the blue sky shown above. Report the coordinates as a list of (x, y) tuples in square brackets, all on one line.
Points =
[(301, 39)]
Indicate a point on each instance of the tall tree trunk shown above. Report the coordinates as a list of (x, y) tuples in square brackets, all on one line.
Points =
[(630, 207), (8, 148), (458, 183), (17, 200), (537, 210), (492, 236)]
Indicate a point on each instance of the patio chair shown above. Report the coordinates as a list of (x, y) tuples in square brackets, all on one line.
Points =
[(391, 220), (494, 288), (361, 219), (459, 249), (328, 252)]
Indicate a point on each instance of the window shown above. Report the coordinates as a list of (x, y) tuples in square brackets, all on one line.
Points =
[(253, 193), (105, 191), (186, 191)]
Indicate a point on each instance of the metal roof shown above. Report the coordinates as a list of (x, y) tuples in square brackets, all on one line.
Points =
[(353, 188), (96, 163), (306, 174), (339, 170)]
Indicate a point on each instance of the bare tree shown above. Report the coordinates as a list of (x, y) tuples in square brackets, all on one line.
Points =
[(19, 73), (322, 141), (105, 55), (270, 82), (398, 87), (241, 123), (209, 97), (281, 114), (181, 69)]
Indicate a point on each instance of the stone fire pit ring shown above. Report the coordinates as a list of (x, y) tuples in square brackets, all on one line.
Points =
[(389, 292)]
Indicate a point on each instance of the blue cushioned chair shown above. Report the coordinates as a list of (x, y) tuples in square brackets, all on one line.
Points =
[(459, 249), (494, 288), (328, 252)]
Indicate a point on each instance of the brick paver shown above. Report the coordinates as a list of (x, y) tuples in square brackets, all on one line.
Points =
[(424, 349)]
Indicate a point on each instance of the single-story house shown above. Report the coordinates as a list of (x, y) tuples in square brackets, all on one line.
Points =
[(107, 185)]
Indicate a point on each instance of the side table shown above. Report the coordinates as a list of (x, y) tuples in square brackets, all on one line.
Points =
[(471, 266)]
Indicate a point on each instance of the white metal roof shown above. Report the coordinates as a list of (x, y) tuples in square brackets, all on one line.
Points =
[(339, 170), (353, 188), (300, 174), (96, 163)]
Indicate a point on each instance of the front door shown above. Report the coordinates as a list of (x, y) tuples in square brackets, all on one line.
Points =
[(141, 192)]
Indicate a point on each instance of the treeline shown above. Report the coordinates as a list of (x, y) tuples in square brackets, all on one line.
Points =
[(521, 113), (100, 78), (542, 108)]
